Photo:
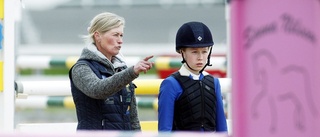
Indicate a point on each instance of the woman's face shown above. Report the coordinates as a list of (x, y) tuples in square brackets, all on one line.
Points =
[(196, 58), (109, 43)]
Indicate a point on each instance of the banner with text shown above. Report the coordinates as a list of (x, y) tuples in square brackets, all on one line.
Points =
[(275, 68)]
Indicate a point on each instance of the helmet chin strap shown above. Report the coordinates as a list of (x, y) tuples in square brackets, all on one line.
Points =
[(184, 61), (208, 61), (207, 64)]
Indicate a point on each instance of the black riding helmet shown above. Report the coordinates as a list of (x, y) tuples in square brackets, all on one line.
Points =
[(194, 35)]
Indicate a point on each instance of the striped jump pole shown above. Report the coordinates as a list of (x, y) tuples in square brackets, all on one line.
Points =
[(218, 63), (167, 65), (161, 62), (164, 65)]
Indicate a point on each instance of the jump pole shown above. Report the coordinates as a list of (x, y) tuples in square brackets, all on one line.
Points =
[(7, 59), (62, 87)]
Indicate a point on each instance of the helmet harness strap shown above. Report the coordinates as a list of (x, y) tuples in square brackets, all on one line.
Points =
[(208, 61), (184, 61), (207, 64)]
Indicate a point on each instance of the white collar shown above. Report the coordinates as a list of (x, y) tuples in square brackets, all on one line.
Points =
[(185, 72), (94, 49)]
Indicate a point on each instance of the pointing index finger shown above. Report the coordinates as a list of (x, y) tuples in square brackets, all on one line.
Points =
[(147, 58)]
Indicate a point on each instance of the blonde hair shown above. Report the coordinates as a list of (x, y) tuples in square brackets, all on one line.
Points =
[(102, 23)]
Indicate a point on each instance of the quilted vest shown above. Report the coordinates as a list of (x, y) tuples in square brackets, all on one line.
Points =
[(111, 113)]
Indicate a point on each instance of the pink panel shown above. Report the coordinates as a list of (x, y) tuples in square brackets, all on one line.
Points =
[(275, 68)]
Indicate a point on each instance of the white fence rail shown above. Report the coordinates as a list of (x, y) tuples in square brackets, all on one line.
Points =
[(62, 88)]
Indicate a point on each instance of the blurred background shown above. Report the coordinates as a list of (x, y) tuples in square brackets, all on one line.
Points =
[(53, 28), (55, 25)]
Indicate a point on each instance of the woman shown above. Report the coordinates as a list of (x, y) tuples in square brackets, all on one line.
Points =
[(190, 99), (101, 83)]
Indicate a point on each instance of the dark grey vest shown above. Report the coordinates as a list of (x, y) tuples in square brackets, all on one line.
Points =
[(97, 114)]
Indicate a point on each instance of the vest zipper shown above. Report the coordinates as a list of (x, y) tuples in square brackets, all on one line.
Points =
[(122, 113), (202, 104), (102, 123)]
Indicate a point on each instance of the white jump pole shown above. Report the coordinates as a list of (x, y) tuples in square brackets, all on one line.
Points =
[(46, 88), (62, 87), (7, 95)]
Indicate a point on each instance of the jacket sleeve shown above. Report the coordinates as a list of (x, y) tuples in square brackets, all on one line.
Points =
[(169, 91), (221, 122), (87, 81), (135, 122)]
